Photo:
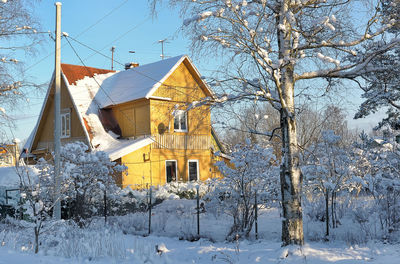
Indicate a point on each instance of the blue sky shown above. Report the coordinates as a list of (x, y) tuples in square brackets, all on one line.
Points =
[(125, 24)]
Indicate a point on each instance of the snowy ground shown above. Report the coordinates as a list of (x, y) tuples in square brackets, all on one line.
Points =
[(116, 244), (122, 240), (204, 251)]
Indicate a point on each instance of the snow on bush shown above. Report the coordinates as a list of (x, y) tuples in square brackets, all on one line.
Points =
[(378, 170), (251, 173), (327, 173)]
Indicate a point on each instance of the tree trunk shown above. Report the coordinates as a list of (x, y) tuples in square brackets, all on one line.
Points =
[(291, 185), (333, 209), (36, 239), (290, 175)]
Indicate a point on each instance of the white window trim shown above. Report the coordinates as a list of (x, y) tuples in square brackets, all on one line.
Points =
[(198, 170), (64, 113), (176, 171), (179, 113)]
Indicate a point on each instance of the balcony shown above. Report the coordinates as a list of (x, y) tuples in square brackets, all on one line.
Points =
[(172, 141)]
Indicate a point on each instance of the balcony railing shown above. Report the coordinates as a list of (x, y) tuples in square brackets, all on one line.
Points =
[(171, 141)]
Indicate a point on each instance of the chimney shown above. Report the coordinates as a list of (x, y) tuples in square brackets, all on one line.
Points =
[(130, 65)]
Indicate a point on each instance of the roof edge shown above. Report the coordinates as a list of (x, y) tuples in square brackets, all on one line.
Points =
[(67, 85), (40, 115), (158, 84)]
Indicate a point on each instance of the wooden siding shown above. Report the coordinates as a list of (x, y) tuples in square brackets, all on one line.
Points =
[(50, 144), (45, 132), (146, 166), (133, 118), (182, 88), (173, 141)]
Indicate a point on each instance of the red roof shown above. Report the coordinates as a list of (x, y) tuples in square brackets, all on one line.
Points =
[(76, 72)]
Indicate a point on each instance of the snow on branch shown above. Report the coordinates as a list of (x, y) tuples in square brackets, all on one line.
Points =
[(203, 16), (352, 70), (328, 59)]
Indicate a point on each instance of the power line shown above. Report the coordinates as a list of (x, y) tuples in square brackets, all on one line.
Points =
[(121, 36), (132, 69), (101, 88), (101, 19), (98, 52), (79, 34)]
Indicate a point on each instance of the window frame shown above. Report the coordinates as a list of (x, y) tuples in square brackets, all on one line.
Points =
[(178, 115), (176, 171), (197, 170), (66, 122)]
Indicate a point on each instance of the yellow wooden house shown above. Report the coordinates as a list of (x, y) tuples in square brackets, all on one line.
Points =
[(139, 117), (9, 154)]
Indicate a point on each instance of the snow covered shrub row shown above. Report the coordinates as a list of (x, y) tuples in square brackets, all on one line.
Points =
[(352, 192), (130, 201), (66, 239), (173, 218), (379, 173)]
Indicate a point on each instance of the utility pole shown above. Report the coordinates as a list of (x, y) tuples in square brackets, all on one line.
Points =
[(112, 57), (57, 116), (162, 47)]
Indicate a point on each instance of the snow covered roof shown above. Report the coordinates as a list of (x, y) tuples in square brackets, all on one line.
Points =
[(113, 88), (136, 83), (88, 110), (92, 90)]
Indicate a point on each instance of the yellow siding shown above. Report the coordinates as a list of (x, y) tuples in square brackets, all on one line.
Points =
[(148, 165), (182, 88), (154, 116), (138, 172), (133, 118), (45, 134)]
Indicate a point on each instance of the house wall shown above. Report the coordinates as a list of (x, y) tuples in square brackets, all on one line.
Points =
[(181, 87), (148, 165), (44, 138), (133, 118), (8, 154)]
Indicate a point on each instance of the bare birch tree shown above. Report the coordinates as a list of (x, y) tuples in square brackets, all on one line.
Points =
[(286, 42), (18, 37)]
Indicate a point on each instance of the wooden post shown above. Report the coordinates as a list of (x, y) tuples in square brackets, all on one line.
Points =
[(256, 214), (105, 206), (150, 194), (198, 212), (57, 116)]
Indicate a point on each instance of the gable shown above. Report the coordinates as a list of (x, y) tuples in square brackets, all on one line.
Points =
[(44, 135), (183, 85)]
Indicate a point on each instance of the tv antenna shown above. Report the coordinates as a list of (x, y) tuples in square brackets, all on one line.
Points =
[(162, 41), (112, 57)]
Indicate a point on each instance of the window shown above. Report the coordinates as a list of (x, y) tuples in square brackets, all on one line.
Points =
[(180, 121), (193, 167), (65, 124), (170, 170)]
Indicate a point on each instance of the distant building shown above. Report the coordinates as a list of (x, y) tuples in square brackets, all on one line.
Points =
[(9, 154)]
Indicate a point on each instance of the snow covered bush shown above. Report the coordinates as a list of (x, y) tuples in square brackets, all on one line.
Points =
[(328, 172), (131, 201), (37, 193), (88, 177), (379, 172), (251, 173)]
